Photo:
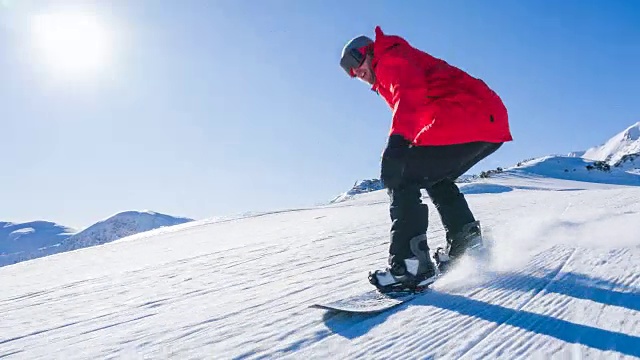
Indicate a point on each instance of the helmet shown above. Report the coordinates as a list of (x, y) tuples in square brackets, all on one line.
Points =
[(351, 56)]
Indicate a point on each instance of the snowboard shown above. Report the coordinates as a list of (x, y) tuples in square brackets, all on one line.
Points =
[(371, 302)]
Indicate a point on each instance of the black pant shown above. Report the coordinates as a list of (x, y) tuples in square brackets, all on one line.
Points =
[(433, 168)]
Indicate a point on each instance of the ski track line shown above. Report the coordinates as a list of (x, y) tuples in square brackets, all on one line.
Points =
[(494, 328), (13, 352)]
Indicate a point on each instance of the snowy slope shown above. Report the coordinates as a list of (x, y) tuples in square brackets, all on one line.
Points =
[(624, 143), (120, 225), (564, 283)]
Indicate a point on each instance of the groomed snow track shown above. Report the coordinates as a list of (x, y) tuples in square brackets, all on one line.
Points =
[(564, 283)]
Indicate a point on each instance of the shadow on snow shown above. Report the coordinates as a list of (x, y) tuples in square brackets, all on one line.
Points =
[(573, 285)]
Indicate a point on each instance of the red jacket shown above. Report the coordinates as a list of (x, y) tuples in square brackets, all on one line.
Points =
[(433, 102)]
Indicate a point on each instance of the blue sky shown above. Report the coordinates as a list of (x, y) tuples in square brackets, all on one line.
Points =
[(218, 107)]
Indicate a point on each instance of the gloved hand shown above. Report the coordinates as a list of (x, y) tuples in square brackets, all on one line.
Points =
[(393, 161)]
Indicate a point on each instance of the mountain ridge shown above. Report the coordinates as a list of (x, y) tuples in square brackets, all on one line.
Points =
[(624, 143), (29, 240)]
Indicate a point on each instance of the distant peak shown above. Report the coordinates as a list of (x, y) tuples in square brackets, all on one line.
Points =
[(137, 213), (624, 143), (632, 132)]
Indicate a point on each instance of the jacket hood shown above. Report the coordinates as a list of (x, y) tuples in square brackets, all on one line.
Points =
[(384, 42)]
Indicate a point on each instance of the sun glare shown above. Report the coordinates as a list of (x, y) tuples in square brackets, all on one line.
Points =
[(72, 43)]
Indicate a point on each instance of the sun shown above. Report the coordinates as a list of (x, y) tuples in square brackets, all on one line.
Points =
[(72, 43)]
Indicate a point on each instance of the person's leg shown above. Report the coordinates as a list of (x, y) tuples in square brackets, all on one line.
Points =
[(461, 228), (425, 167), (410, 263), (409, 218), (451, 206), (438, 167)]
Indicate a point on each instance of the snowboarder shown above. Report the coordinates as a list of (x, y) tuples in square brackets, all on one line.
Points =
[(444, 122)]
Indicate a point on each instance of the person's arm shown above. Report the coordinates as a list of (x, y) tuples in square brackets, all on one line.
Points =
[(408, 89)]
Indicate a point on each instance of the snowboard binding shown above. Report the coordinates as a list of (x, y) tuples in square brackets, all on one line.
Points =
[(411, 284), (442, 260)]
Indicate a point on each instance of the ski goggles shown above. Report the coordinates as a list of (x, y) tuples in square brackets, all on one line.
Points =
[(351, 60)]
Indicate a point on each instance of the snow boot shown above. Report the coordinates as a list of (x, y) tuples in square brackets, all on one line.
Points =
[(412, 274), (469, 239)]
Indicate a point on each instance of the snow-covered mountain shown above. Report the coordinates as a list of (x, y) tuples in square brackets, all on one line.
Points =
[(120, 225), (26, 241), (360, 187), (573, 168), (22, 240), (617, 161), (623, 144)]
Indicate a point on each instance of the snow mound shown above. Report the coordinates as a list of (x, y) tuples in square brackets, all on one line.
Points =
[(625, 143)]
